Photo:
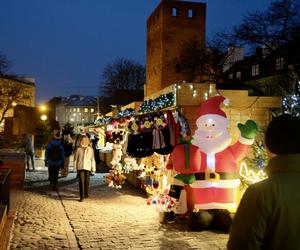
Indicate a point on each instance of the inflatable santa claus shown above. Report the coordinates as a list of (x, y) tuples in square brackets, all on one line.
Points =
[(213, 192)]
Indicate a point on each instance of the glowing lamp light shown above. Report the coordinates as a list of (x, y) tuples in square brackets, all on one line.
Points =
[(44, 117), (14, 104), (43, 107)]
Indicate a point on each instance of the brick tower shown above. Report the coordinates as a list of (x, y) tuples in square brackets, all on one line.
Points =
[(169, 25)]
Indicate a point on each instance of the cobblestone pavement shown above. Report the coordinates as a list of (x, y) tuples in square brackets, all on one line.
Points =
[(109, 219)]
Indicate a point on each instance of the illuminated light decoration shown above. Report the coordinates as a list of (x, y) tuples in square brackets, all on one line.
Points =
[(210, 89), (163, 101), (291, 105), (212, 189), (205, 95), (250, 175), (126, 113), (194, 93), (191, 86), (103, 120)]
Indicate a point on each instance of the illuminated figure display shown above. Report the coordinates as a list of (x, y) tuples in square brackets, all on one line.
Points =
[(211, 193)]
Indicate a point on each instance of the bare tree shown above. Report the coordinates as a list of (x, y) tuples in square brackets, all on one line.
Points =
[(10, 94), (4, 64), (123, 81), (201, 64), (279, 24)]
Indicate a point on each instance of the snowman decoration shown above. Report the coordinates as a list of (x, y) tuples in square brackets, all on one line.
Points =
[(213, 194)]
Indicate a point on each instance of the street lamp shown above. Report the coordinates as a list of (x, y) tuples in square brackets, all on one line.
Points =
[(43, 107), (44, 117)]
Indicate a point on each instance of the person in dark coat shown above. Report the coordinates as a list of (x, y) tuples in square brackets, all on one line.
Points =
[(68, 148), (29, 151), (54, 157), (268, 216)]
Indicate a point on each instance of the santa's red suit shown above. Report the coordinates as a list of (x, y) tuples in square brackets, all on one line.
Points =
[(218, 179), (215, 186)]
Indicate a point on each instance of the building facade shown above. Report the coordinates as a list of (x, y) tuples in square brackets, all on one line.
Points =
[(17, 94), (77, 110), (170, 25)]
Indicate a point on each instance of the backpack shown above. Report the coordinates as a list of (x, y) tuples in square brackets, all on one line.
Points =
[(54, 153)]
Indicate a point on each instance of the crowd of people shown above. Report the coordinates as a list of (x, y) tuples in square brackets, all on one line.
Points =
[(57, 158)]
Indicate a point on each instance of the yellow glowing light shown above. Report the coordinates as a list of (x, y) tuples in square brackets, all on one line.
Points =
[(44, 117), (250, 175), (43, 107), (14, 104)]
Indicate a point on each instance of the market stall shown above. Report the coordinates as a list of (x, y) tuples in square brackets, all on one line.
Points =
[(161, 142)]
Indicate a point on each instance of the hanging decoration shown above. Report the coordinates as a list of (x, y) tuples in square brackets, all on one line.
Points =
[(161, 102)]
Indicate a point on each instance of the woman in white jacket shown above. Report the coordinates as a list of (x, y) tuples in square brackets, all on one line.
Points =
[(84, 164)]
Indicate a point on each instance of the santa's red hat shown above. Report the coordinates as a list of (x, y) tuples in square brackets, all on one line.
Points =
[(212, 107)]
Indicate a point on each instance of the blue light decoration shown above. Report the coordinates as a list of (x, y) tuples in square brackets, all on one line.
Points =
[(103, 120), (126, 113), (161, 102)]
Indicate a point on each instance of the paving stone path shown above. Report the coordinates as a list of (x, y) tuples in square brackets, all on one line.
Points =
[(109, 219)]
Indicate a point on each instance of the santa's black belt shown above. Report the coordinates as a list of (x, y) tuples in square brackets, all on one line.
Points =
[(223, 176)]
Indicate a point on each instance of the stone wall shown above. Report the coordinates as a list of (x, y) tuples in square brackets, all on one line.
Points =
[(167, 28)]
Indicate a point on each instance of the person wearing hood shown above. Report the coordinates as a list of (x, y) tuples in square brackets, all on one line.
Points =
[(54, 158), (268, 216), (84, 164)]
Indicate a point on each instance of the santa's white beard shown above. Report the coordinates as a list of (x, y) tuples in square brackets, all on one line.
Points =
[(211, 146)]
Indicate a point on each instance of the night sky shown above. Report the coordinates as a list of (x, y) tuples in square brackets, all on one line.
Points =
[(65, 44)]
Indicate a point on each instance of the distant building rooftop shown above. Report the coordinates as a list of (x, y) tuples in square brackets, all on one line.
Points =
[(77, 100)]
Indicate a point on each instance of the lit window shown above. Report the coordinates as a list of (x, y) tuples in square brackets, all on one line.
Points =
[(92, 110), (255, 70), (78, 109), (279, 63), (238, 75), (230, 76), (86, 110), (174, 11), (190, 13), (74, 109)]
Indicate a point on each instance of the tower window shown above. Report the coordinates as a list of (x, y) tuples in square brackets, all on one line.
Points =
[(190, 13), (255, 70), (279, 63), (174, 12)]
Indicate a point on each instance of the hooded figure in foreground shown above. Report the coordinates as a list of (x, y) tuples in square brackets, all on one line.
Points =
[(268, 216)]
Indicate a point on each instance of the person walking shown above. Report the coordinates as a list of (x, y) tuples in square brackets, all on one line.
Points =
[(54, 157), (84, 164), (29, 151), (268, 216), (68, 148)]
